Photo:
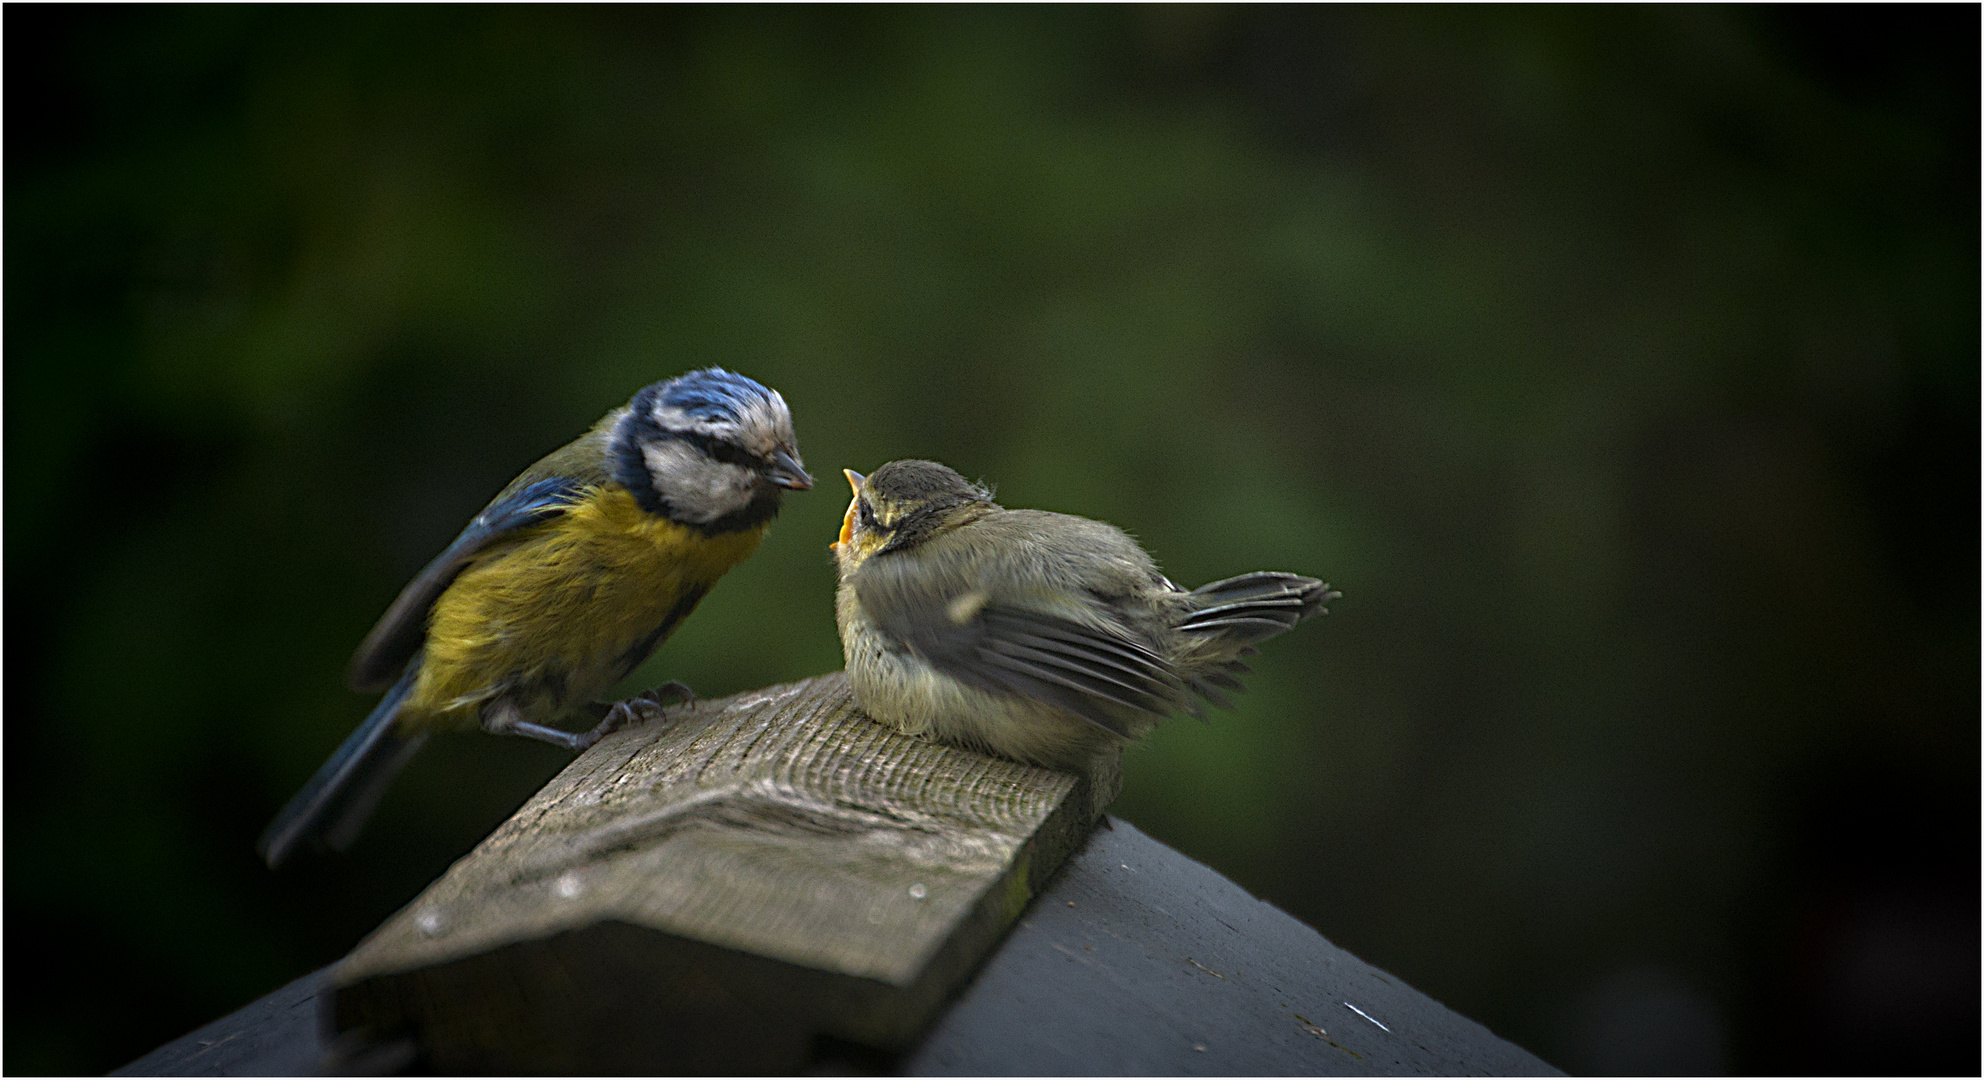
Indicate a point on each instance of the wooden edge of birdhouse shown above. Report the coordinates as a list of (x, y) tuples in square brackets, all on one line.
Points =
[(722, 888)]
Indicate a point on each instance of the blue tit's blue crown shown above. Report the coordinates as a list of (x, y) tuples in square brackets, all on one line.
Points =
[(714, 394)]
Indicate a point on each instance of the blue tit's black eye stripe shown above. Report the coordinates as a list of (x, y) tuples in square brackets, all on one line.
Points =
[(727, 452), (869, 522)]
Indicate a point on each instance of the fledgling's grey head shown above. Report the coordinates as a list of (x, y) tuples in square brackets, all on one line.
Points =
[(711, 449), (903, 504)]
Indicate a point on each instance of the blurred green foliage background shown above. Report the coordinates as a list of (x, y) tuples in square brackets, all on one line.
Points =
[(1620, 365)]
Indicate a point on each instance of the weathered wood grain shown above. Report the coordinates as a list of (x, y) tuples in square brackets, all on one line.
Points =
[(731, 889)]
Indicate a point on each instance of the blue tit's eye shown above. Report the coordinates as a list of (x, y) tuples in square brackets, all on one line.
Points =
[(869, 523)]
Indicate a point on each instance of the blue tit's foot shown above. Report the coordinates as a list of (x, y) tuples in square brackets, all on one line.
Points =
[(502, 719), (577, 742), (645, 707)]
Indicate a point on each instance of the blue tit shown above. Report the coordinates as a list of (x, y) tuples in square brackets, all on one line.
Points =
[(560, 587), (1042, 637)]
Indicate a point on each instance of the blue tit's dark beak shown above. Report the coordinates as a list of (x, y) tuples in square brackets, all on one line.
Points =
[(787, 472)]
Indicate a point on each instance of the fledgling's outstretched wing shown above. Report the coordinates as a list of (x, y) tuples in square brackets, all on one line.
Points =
[(384, 653), (991, 627)]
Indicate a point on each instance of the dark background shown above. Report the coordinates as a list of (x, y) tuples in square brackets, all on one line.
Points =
[(1620, 365)]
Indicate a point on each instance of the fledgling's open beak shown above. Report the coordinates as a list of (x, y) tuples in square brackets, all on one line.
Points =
[(854, 480), (787, 472)]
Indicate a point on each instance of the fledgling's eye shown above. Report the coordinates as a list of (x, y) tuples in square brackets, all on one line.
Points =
[(869, 523)]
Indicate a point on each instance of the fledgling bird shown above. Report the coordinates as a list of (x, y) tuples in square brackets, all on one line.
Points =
[(1043, 637), (560, 587)]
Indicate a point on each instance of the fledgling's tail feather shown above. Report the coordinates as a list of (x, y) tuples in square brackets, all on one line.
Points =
[(1236, 614), (344, 791), (1257, 605)]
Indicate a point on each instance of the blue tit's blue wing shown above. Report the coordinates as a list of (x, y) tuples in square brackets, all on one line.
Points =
[(1003, 645), (397, 637)]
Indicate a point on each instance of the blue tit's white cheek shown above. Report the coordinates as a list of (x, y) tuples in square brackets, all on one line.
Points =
[(698, 488)]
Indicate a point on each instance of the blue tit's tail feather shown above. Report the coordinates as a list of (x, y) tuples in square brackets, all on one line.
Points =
[(336, 801), (1240, 611)]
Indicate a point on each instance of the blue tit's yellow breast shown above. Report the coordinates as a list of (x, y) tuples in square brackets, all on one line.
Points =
[(559, 613)]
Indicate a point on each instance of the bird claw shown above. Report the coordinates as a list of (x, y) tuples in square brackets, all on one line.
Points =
[(617, 717), (645, 707), (672, 692)]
